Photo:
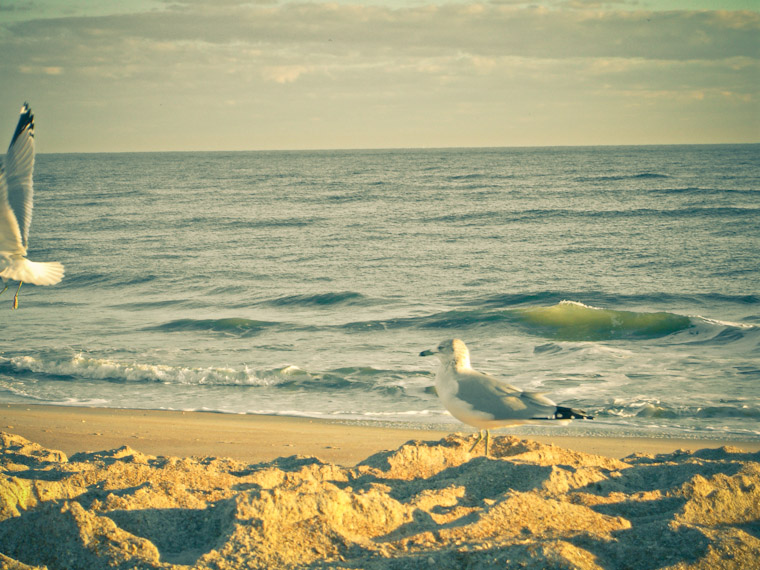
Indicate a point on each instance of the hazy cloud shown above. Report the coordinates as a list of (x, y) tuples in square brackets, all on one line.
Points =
[(477, 29), (378, 75)]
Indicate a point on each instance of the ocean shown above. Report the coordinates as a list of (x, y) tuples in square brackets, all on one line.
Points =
[(621, 280)]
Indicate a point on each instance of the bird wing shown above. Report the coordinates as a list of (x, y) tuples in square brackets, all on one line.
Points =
[(502, 400), (540, 405), (19, 192), (10, 236), (486, 394)]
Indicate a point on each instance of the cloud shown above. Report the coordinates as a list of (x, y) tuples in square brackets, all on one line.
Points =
[(369, 73), (35, 69), (284, 73), (476, 29)]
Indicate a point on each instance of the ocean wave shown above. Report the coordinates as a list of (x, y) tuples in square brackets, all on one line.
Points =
[(81, 366), (277, 223), (470, 218), (509, 300), (720, 333), (570, 320), (565, 214), (101, 279), (153, 305), (699, 191), (319, 300), (234, 326), (455, 319), (566, 320), (288, 378), (613, 178), (469, 176), (664, 410), (656, 213)]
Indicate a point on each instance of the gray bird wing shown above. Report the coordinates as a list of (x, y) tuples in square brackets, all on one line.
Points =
[(503, 401), (18, 196), (486, 394)]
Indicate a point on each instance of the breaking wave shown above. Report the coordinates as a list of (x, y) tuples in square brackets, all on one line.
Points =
[(569, 320), (566, 320), (81, 366)]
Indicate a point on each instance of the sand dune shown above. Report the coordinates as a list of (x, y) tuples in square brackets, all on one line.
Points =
[(424, 505)]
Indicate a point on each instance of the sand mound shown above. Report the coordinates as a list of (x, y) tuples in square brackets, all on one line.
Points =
[(424, 505)]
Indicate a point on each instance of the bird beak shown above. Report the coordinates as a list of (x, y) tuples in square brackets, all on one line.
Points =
[(428, 353)]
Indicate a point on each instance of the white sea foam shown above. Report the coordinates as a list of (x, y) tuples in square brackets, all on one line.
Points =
[(82, 366)]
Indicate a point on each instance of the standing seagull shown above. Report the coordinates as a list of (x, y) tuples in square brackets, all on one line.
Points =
[(16, 195), (482, 401)]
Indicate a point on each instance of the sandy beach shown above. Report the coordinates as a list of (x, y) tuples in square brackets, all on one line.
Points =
[(97, 488), (258, 438)]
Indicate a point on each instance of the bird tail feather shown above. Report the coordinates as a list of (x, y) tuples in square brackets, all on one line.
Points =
[(35, 272), (563, 413)]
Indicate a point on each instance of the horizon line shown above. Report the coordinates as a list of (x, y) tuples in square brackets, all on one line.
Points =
[(430, 148)]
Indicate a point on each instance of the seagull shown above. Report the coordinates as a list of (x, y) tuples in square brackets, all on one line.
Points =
[(484, 402), (16, 195)]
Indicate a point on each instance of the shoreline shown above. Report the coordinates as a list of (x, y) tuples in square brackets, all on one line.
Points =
[(260, 438)]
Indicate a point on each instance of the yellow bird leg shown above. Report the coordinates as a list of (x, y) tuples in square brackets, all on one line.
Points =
[(15, 297), (477, 441), (480, 438)]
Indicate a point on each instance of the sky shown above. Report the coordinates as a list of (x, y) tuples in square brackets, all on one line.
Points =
[(185, 75)]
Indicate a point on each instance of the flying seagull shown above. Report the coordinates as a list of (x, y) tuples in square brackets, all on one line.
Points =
[(16, 196), (483, 401)]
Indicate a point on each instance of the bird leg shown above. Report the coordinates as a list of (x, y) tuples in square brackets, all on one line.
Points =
[(4, 289), (480, 438), (477, 441), (15, 297)]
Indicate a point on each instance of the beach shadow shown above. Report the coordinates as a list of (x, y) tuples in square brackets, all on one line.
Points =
[(243, 487), (293, 464), (545, 555), (51, 536), (482, 477), (646, 545), (290, 464), (42, 475), (16, 450), (647, 476), (123, 454), (663, 508), (97, 493), (181, 536), (423, 522), (656, 538), (752, 528)]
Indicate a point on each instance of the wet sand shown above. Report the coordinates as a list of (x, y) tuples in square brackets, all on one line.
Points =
[(256, 438)]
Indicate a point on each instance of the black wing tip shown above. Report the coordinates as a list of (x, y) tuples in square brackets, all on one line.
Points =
[(563, 413), (26, 120)]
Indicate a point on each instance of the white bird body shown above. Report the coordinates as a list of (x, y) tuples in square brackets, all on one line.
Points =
[(484, 402), (16, 203)]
